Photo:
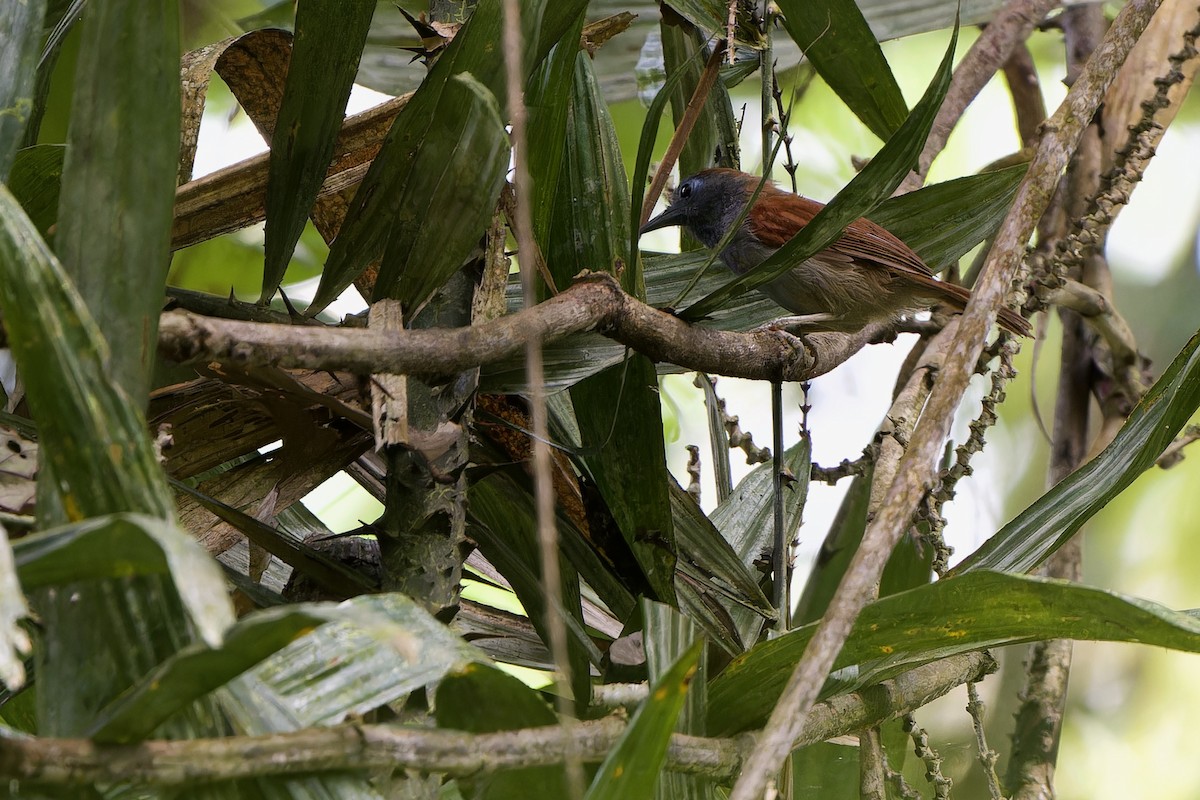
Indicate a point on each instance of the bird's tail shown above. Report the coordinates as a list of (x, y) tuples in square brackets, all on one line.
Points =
[(1010, 320)]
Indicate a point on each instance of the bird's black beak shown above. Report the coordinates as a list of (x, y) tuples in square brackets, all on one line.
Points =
[(674, 215)]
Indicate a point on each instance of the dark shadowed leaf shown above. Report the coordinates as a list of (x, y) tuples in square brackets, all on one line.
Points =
[(331, 574), (35, 179), (448, 193), (118, 186), (716, 130), (506, 532), (867, 190), (380, 202), (710, 556), (22, 26), (328, 43), (712, 16), (834, 36), (618, 410), (955, 615), (548, 97)]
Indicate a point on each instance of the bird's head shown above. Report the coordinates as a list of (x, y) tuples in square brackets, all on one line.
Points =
[(706, 204)]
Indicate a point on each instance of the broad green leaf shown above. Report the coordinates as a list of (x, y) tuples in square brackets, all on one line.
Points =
[(1054, 517), (746, 520), (590, 226), (328, 43), (955, 615), (481, 699), (118, 188), (381, 200), (97, 459), (121, 545), (21, 22), (548, 99), (197, 670), (619, 415), (834, 36), (666, 635), (448, 195), (507, 536), (645, 152), (589, 232), (840, 545), (867, 190), (91, 435), (943, 221), (35, 180), (711, 580), (826, 771), (382, 647), (633, 765)]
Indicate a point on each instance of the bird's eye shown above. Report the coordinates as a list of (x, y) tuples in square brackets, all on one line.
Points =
[(685, 190)]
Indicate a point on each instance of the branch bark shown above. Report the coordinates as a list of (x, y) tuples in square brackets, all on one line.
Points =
[(593, 303), (385, 747)]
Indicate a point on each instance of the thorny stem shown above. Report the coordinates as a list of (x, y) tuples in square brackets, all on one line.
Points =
[(943, 492), (987, 756), (1116, 185), (933, 761)]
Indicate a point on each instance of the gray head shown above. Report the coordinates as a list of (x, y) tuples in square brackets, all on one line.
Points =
[(706, 204)]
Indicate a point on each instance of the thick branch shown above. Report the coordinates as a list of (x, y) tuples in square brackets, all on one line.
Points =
[(594, 303), (385, 747), (1062, 134)]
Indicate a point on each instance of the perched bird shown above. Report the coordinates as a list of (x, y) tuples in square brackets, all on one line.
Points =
[(868, 275)]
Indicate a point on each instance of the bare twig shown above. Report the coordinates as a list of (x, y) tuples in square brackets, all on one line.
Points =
[(1061, 136), (1174, 452), (987, 756), (543, 481), (693, 471), (933, 761), (1043, 695)]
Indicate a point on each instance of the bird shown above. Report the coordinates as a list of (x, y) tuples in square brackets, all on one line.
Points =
[(867, 276)]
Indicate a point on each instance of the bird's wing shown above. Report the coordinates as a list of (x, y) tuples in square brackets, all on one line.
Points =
[(779, 215)]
